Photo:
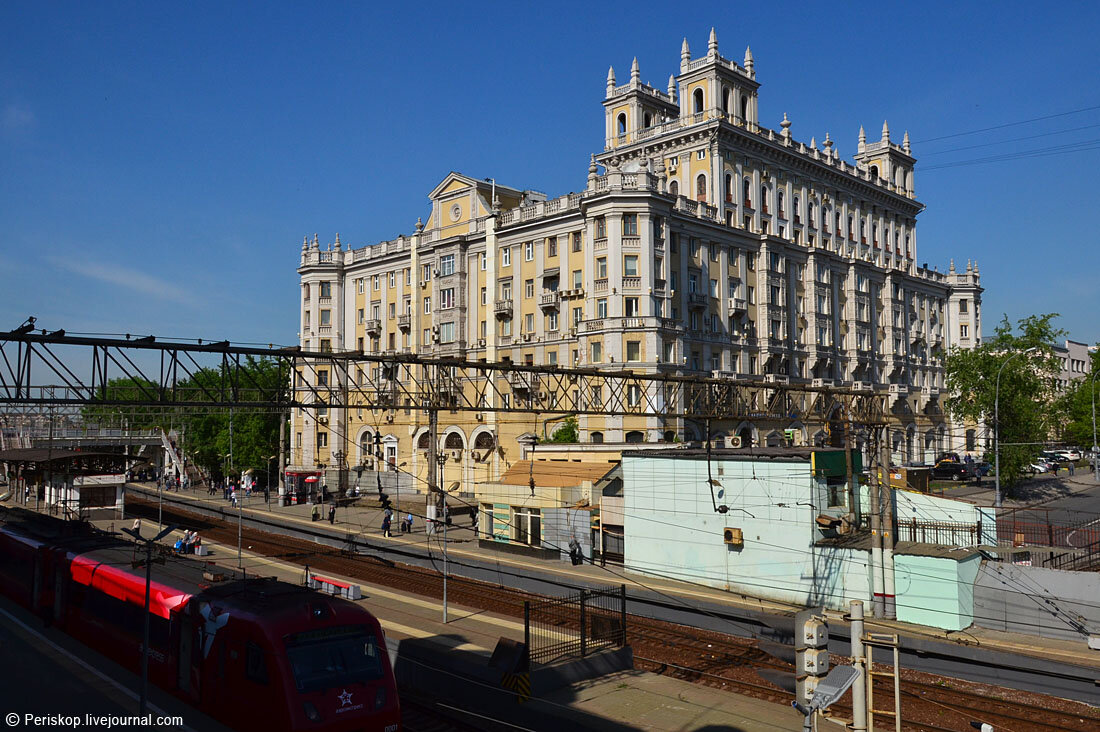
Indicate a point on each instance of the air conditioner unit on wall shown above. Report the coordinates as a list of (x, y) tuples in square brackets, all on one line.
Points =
[(735, 441), (322, 420), (456, 455), (733, 537), (389, 418)]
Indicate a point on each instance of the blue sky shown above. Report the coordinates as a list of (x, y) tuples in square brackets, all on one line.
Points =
[(160, 164)]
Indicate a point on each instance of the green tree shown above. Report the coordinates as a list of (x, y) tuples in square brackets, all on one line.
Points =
[(1077, 405), (566, 433), (1029, 409)]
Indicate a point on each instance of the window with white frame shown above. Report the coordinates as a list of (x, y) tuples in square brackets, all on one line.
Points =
[(446, 332), (447, 265), (446, 298), (506, 257), (528, 251)]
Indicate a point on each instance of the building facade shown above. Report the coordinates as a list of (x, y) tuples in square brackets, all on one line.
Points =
[(702, 243)]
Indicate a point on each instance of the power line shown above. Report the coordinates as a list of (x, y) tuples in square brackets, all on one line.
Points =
[(1009, 124)]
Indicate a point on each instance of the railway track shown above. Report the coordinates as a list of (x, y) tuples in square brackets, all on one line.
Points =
[(932, 704)]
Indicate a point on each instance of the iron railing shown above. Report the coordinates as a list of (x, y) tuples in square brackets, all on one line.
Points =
[(576, 625), (950, 533)]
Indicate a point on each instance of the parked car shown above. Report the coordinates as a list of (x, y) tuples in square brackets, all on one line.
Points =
[(1073, 455), (954, 470), (1038, 467), (983, 468)]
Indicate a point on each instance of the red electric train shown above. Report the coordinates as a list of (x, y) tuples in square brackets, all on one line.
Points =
[(254, 653)]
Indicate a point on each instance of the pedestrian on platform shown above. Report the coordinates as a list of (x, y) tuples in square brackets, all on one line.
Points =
[(386, 525), (233, 497), (408, 523), (316, 512), (137, 526), (332, 513)]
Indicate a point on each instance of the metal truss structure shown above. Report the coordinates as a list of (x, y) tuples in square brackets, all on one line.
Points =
[(42, 369)]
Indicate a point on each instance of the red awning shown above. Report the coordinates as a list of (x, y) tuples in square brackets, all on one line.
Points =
[(311, 479)]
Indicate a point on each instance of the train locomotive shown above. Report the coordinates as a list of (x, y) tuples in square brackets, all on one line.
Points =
[(252, 652)]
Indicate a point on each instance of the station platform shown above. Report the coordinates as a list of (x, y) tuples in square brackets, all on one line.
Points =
[(446, 665), (364, 519)]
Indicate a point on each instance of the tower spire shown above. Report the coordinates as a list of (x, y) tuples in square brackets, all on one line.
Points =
[(905, 143), (672, 87), (685, 54), (635, 73), (862, 139), (610, 80), (885, 131), (748, 60), (712, 43)]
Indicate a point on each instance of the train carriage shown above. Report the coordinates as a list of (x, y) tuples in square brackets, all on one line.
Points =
[(255, 653)]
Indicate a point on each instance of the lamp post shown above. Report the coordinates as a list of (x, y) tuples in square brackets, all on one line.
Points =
[(442, 458), (997, 424), (143, 699), (267, 485), (1095, 447)]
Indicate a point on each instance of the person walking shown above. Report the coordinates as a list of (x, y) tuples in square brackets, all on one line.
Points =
[(137, 526), (386, 524), (332, 513), (233, 497), (316, 512), (408, 524)]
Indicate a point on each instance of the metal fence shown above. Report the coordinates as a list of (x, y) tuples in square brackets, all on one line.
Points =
[(576, 625), (951, 533), (1017, 529)]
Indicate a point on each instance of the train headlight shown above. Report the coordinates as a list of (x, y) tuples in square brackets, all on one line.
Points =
[(311, 712), (380, 697)]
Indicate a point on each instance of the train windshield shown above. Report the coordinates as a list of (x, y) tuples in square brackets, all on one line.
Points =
[(329, 657)]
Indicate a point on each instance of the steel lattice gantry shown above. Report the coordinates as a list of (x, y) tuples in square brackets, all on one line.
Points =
[(41, 369)]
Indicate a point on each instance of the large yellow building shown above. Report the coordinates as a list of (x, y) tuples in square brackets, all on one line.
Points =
[(702, 242)]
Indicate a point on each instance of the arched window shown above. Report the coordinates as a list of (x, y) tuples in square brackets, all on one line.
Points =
[(764, 199), (748, 192), (597, 438), (454, 442), (622, 124), (698, 97), (874, 172), (701, 188), (745, 108), (725, 100), (674, 188), (670, 436), (424, 441), (484, 441), (729, 188), (366, 446), (779, 203), (635, 436)]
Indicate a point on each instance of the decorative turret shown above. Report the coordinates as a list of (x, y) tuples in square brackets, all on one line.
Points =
[(610, 80), (786, 125), (685, 55), (419, 225), (593, 173), (336, 246), (885, 131), (672, 87), (712, 43), (828, 146), (951, 269), (905, 144), (635, 73), (862, 140), (316, 241), (749, 66), (305, 243), (813, 143)]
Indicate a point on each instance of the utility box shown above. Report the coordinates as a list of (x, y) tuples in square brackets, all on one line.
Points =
[(909, 479)]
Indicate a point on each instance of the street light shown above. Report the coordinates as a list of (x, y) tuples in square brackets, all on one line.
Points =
[(267, 485), (148, 582), (997, 424), (1095, 448), (442, 458)]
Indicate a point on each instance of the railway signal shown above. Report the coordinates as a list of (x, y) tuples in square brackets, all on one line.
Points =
[(811, 651)]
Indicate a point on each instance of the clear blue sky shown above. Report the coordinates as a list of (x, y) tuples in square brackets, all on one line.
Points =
[(160, 163)]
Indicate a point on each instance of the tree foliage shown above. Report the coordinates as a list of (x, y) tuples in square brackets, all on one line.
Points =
[(1029, 409), (205, 431), (567, 433), (1078, 405)]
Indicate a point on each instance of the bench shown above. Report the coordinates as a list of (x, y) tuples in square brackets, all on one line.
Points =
[(335, 587)]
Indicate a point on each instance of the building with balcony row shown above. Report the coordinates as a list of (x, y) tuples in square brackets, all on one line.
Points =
[(702, 243)]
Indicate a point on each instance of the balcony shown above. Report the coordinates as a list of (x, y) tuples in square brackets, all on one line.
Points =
[(737, 305), (373, 327), (599, 285), (632, 283), (404, 322), (549, 300), (503, 309), (697, 300), (523, 381), (659, 285)]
